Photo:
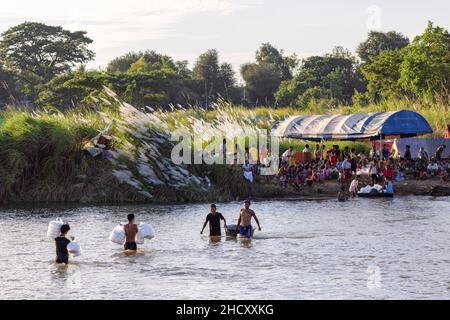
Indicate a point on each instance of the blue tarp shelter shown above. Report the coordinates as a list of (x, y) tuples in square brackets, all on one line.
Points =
[(404, 123)]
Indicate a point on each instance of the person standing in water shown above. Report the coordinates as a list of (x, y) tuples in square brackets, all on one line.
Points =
[(244, 226), (214, 218), (62, 255), (342, 195), (131, 231)]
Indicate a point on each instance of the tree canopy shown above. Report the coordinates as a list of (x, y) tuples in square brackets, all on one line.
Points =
[(426, 66), (44, 65), (215, 77), (37, 52), (334, 75), (265, 76), (379, 41)]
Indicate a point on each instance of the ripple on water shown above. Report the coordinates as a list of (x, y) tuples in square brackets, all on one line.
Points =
[(326, 250)]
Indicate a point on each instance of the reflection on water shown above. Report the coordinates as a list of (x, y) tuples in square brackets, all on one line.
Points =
[(365, 248)]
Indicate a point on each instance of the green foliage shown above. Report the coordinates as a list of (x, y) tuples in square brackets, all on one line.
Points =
[(36, 52), (152, 61), (216, 78), (422, 68), (34, 147), (262, 81), (268, 54), (123, 63), (265, 76), (335, 76), (9, 90), (426, 66), (380, 41), (383, 74), (313, 95), (299, 145), (150, 88)]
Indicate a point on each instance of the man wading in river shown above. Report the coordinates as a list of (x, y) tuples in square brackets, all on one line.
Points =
[(244, 226), (131, 231), (214, 218)]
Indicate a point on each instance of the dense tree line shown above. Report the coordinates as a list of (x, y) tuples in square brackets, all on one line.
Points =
[(44, 66)]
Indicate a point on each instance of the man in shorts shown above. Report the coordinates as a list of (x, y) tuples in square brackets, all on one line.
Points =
[(244, 226), (131, 231)]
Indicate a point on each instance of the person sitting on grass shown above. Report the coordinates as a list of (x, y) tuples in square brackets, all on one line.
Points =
[(433, 168), (282, 174)]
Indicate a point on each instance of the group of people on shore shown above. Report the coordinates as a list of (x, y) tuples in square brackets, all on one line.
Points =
[(344, 165)]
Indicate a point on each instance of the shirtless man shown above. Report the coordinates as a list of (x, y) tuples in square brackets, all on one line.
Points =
[(131, 231), (244, 226)]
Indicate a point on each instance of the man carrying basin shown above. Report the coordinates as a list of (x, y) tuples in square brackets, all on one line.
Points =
[(214, 218), (244, 226)]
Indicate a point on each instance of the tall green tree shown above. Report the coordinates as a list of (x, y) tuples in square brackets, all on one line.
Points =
[(334, 75), (426, 66), (214, 78), (383, 74), (262, 81), (8, 87), (380, 41), (271, 68), (36, 52), (285, 65), (152, 88), (123, 63)]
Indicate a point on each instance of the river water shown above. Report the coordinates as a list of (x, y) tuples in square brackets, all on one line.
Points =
[(362, 249)]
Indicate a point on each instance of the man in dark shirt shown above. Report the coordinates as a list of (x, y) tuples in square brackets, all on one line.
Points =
[(62, 255), (214, 218)]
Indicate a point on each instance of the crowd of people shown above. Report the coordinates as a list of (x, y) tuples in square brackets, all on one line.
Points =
[(311, 166)]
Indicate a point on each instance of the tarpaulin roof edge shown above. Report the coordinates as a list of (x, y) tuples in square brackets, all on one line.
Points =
[(353, 126)]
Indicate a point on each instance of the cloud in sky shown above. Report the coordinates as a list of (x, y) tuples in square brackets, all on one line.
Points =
[(113, 21), (113, 24), (186, 28)]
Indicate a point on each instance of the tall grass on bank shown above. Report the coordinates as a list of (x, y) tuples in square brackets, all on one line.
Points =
[(41, 149), (436, 113), (41, 157)]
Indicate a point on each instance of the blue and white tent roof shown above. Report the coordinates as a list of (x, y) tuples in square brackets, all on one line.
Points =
[(352, 126)]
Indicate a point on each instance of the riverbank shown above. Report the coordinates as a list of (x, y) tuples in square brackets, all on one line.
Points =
[(329, 189), (44, 158)]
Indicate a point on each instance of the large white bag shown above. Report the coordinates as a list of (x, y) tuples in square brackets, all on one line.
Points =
[(118, 235), (74, 248), (54, 228), (146, 231), (140, 239)]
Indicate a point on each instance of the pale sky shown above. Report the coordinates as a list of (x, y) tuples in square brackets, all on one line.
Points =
[(184, 29)]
